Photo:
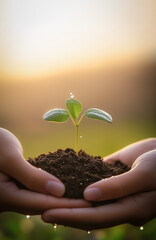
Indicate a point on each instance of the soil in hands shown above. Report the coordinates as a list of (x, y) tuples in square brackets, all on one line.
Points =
[(77, 171)]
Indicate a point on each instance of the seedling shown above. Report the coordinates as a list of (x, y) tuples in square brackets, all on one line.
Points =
[(73, 111)]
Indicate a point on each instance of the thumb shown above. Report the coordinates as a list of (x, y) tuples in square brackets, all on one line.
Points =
[(113, 187), (34, 178)]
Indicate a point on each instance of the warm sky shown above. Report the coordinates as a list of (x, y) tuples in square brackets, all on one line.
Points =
[(43, 37)]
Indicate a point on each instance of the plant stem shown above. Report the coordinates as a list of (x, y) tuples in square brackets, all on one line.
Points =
[(74, 122), (80, 119), (77, 137)]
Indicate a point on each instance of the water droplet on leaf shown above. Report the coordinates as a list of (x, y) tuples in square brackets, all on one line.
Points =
[(27, 216), (141, 228), (88, 232)]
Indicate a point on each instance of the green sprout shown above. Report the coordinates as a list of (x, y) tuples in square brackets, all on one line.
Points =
[(73, 111)]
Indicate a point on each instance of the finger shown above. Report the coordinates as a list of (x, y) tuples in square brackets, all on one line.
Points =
[(33, 178), (137, 210), (121, 185), (27, 202), (89, 218), (131, 152), (126, 155), (36, 203), (112, 157)]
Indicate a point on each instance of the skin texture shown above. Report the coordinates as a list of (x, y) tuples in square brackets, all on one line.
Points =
[(44, 190), (134, 191)]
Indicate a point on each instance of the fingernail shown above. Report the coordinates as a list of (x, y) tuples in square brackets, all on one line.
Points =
[(92, 194), (55, 188)]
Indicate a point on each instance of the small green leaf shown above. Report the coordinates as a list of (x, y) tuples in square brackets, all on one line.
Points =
[(56, 115), (74, 107), (96, 113)]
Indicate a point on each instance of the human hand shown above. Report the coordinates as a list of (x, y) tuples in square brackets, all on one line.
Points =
[(39, 183), (134, 191), (130, 153), (29, 202)]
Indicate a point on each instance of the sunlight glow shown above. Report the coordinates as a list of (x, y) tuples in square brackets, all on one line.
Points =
[(40, 38)]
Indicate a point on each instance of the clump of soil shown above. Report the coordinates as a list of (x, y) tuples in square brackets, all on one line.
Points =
[(77, 171)]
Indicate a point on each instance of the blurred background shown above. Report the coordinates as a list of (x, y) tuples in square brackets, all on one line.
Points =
[(104, 53)]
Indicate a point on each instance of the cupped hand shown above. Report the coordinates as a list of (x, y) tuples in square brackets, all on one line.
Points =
[(134, 193), (40, 184), (29, 202), (13, 164), (138, 179)]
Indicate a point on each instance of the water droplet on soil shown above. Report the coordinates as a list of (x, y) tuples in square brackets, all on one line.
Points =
[(141, 228), (27, 216), (80, 183)]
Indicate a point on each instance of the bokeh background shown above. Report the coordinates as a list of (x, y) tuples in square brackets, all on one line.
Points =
[(103, 52)]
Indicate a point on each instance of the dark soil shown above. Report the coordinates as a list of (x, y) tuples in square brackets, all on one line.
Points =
[(77, 172)]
